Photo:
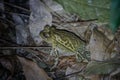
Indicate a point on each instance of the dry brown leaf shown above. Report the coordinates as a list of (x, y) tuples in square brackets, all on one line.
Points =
[(117, 41), (95, 77), (10, 68), (76, 70), (104, 29), (32, 71), (98, 44), (66, 61)]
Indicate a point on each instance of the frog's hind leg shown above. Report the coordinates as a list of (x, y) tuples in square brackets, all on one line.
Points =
[(79, 57)]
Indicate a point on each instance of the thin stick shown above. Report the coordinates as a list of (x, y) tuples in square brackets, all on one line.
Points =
[(24, 47), (79, 21), (7, 21), (60, 78), (16, 46), (15, 6), (28, 49)]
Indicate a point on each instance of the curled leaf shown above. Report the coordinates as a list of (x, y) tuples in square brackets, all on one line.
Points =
[(105, 67)]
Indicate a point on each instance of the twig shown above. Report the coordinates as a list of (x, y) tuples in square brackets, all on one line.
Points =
[(24, 47), (8, 12), (28, 49), (16, 46), (7, 21), (15, 6), (60, 78), (79, 21)]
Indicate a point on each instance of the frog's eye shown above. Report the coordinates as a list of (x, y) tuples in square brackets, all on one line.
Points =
[(46, 28), (52, 28), (46, 35)]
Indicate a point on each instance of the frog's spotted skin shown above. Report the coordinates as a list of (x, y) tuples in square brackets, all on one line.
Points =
[(63, 39)]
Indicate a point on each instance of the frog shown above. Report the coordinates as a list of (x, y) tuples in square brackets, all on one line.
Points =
[(65, 40)]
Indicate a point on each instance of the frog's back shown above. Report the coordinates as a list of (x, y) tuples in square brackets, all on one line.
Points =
[(67, 39)]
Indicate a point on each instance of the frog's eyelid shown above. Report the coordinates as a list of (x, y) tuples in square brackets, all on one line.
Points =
[(46, 27), (46, 35), (52, 27)]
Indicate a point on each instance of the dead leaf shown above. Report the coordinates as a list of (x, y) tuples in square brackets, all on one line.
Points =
[(117, 41), (78, 69), (10, 68), (39, 17), (32, 71), (66, 61), (98, 44)]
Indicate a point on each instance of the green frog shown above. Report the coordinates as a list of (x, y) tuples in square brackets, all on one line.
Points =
[(65, 40)]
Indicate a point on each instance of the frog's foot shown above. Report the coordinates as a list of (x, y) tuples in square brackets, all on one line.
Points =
[(52, 53), (85, 60), (80, 58), (50, 58), (55, 64), (56, 59)]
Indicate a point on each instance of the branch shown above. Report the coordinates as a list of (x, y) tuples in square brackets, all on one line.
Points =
[(15, 6)]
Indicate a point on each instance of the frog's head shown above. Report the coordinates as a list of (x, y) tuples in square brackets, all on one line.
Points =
[(52, 28), (44, 35), (46, 28)]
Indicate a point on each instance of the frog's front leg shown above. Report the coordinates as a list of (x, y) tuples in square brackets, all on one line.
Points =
[(56, 59), (56, 54), (52, 51)]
